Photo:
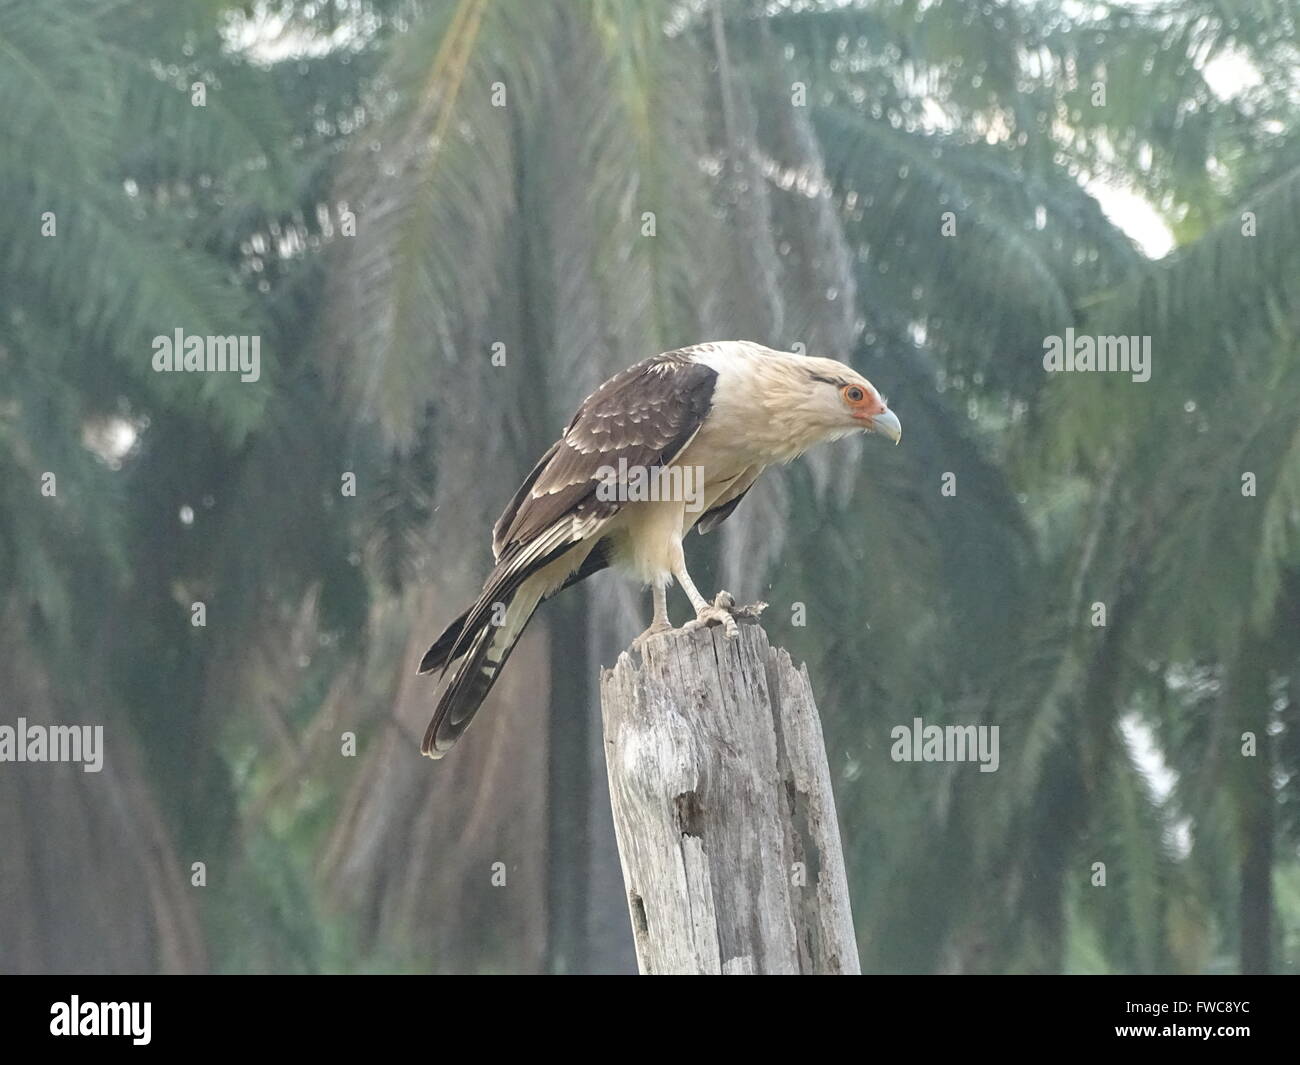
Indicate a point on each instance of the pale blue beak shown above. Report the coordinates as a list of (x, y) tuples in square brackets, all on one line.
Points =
[(887, 424)]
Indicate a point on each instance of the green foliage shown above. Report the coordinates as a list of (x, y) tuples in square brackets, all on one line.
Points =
[(522, 226)]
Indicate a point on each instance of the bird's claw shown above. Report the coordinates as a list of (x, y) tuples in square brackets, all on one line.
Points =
[(710, 615), (657, 628), (723, 611)]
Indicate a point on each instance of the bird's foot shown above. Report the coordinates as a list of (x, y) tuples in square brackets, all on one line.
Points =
[(657, 628), (723, 611), (717, 613)]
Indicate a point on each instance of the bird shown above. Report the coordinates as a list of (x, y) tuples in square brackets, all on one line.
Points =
[(705, 421)]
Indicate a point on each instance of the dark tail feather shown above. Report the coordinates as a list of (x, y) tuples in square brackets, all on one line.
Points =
[(483, 648), (441, 652), (486, 655), (437, 655)]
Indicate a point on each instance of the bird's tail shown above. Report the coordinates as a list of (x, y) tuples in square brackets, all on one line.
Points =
[(437, 656), (482, 638)]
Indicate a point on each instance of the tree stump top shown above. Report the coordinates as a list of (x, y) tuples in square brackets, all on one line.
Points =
[(723, 808)]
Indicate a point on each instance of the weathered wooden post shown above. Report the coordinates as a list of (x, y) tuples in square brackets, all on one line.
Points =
[(723, 808)]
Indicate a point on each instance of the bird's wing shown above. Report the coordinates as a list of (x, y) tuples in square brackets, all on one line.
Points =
[(717, 515), (728, 501), (643, 417)]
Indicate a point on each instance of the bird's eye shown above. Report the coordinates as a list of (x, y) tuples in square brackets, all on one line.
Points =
[(854, 394)]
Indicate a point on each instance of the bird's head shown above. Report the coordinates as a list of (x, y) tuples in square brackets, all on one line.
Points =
[(841, 400), (780, 404)]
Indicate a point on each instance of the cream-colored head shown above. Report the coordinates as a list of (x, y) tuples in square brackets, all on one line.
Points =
[(787, 402), (834, 398)]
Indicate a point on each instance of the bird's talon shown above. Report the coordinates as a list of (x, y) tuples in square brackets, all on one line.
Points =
[(711, 615), (657, 629), (719, 612)]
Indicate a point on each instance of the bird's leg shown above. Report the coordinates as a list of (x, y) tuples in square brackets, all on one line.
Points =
[(659, 623), (706, 613)]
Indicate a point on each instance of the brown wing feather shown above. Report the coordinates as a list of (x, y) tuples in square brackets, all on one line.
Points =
[(644, 416), (715, 517), (503, 523)]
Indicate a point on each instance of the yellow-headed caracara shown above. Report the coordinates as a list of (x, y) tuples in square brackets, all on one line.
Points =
[(713, 416)]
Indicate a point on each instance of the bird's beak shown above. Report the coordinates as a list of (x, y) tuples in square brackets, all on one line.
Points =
[(887, 424)]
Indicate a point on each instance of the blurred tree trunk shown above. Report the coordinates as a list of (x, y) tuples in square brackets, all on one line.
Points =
[(442, 864), (90, 880), (568, 788), (1250, 699)]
